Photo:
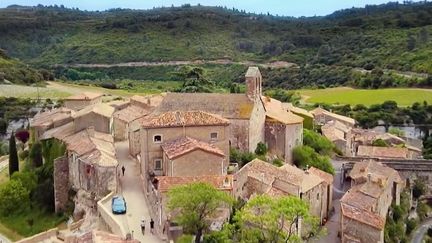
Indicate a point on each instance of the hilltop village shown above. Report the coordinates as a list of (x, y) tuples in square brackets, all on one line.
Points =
[(142, 147)]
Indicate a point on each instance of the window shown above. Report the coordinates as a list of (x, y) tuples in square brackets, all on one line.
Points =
[(157, 139), (158, 164), (317, 196), (213, 135)]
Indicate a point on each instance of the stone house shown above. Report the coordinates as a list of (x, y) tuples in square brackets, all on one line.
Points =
[(92, 163), (79, 101), (245, 112), (307, 116), (382, 152), (322, 116), (124, 117), (340, 135), (259, 177), (365, 206), (99, 116), (47, 120), (183, 143), (283, 130), (158, 200)]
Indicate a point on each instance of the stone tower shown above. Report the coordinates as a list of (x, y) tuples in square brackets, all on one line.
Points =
[(253, 83)]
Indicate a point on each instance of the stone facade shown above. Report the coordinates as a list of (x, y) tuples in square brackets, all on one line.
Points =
[(152, 151), (80, 101), (61, 183), (100, 122), (365, 206), (204, 163)]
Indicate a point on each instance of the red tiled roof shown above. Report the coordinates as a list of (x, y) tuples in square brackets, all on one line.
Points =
[(184, 145), (165, 183), (131, 113), (184, 118), (48, 118), (382, 152), (363, 216), (328, 178)]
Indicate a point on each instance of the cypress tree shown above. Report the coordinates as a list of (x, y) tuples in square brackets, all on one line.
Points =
[(36, 154), (13, 155)]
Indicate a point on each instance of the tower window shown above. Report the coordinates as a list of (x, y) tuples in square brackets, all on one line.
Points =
[(213, 135), (157, 138)]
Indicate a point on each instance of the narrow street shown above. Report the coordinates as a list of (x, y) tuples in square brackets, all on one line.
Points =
[(134, 196), (333, 224), (421, 230)]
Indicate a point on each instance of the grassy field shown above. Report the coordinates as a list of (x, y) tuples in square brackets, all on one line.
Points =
[(404, 97), (58, 90)]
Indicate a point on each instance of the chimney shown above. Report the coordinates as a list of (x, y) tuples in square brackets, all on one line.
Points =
[(253, 83), (369, 176)]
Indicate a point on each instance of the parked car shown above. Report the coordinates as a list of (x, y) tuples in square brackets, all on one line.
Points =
[(118, 205)]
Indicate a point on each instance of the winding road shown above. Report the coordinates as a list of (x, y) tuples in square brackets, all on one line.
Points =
[(421, 231)]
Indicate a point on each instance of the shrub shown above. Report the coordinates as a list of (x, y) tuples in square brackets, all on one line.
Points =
[(422, 210), (261, 149), (13, 197), (305, 156), (380, 143), (22, 135), (397, 213), (418, 189), (318, 142), (23, 154), (411, 224), (278, 162), (36, 155), (429, 232), (3, 126)]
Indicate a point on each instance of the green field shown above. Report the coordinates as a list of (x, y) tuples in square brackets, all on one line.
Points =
[(404, 97)]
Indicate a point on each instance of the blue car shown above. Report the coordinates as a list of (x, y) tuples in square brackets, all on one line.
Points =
[(118, 205)]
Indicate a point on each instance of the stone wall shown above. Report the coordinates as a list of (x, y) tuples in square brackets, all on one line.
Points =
[(275, 139), (61, 183), (120, 129), (134, 142), (256, 125), (363, 232), (100, 123), (239, 134), (197, 163), (293, 138), (108, 218), (47, 235)]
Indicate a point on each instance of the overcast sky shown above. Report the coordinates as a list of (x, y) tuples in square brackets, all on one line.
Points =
[(281, 7)]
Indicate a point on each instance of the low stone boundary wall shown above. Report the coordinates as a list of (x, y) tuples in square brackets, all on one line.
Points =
[(41, 236), (106, 215)]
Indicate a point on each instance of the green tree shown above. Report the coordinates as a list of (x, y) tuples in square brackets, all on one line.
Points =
[(261, 149), (3, 126), (267, 219), (418, 189), (318, 142), (195, 203), (13, 156), (396, 131), (194, 80), (13, 197), (305, 156), (36, 155), (380, 143)]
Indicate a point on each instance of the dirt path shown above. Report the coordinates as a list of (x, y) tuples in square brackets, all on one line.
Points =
[(277, 64)]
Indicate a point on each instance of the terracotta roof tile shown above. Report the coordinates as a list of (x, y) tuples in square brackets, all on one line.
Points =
[(48, 118), (268, 173), (276, 112), (328, 178), (319, 111), (100, 108), (296, 110), (59, 132), (363, 216), (85, 96), (184, 118), (375, 169), (184, 145), (132, 113), (92, 147), (252, 72), (382, 152), (220, 182), (231, 106)]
